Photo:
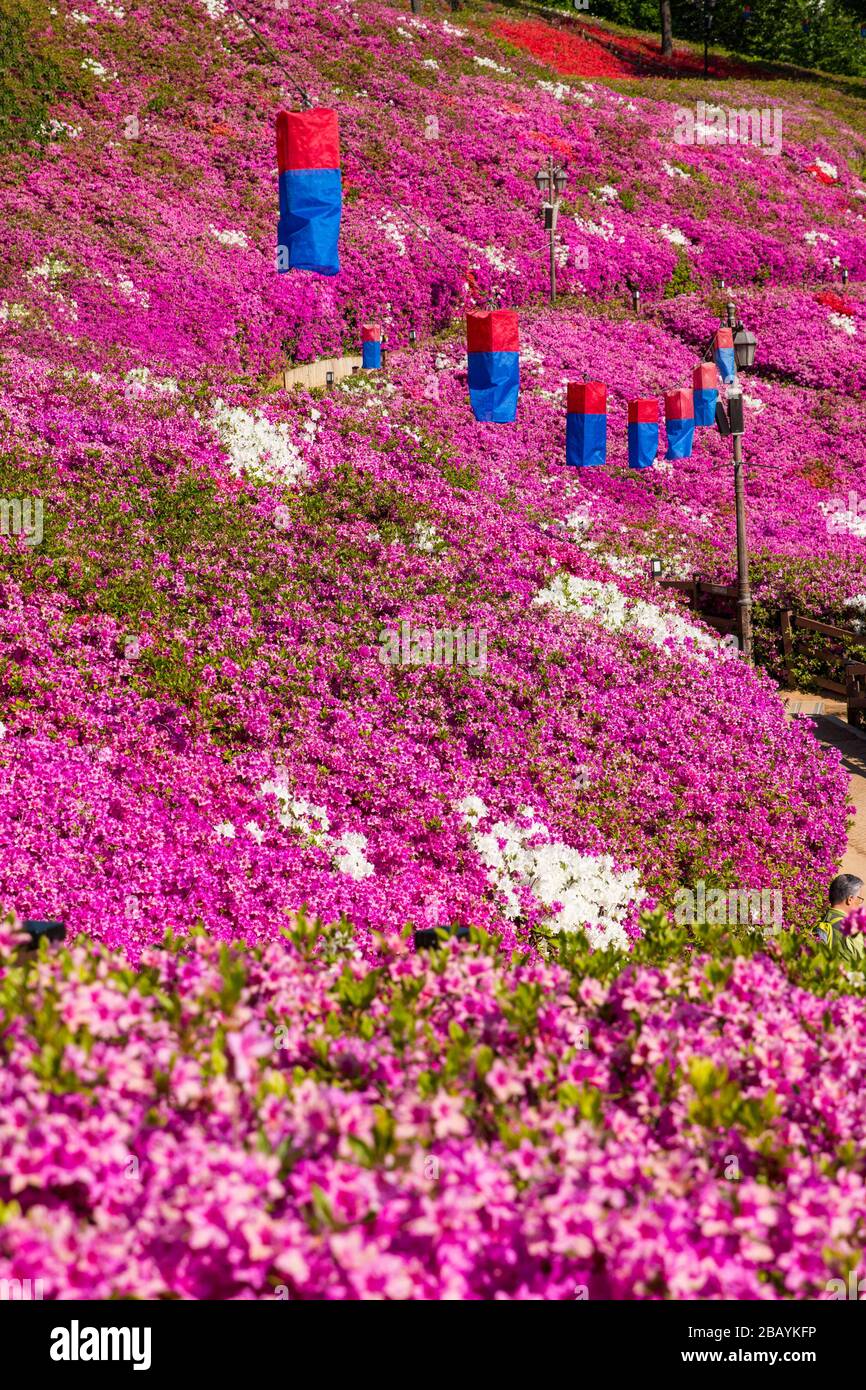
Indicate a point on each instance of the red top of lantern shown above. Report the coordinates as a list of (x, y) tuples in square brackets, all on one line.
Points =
[(308, 139), (705, 377), (587, 398), (724, 338), (493, 331), (643, 411), (371, 333), (679, 405)]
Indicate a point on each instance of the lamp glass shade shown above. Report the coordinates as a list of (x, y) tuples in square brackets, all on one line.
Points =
[(559, 180), (744, 348), (541, 180)]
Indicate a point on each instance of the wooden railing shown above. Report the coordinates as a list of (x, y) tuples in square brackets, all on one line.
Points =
[(699, 591), (832, 653)]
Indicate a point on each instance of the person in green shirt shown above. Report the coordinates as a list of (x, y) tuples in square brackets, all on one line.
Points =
[(845, 894)]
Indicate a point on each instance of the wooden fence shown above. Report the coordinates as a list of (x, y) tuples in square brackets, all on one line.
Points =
[(705, 599), (833, 654)]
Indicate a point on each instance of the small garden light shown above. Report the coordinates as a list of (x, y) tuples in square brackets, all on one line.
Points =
[(428, 937), (329, 378), (844, 275), (656, 568), (52, 931)]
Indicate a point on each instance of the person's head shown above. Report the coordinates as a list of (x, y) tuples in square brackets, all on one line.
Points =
[(846, 892)]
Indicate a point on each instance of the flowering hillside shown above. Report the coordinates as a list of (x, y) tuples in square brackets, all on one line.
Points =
[(206, 725)]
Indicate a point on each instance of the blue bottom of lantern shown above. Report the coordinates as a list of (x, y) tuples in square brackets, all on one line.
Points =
[(494, 383), (643, 444), (680, 434), (705, 407), (585, 440), (724, 360), (371, 355), (311, 202)]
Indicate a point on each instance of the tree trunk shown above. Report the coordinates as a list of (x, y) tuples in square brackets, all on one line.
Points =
[(667, 28)]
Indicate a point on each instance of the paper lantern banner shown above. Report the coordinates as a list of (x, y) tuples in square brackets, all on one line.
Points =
[(311, 192), (723, 354), (586, 424), (705, 393), (371, 345), (643, 432), (679, 424), (493, 352)]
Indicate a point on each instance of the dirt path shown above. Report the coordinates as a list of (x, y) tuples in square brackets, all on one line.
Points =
[(831, 728)]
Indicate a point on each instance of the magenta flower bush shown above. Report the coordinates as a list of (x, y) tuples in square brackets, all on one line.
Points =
[(275, 1124)]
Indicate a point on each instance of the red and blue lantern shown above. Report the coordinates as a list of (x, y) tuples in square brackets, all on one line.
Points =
[(493, 351), (679, 424), (723, 354), (311, 191), (371, 345), (705, 393), (643, 432), (586, 424)]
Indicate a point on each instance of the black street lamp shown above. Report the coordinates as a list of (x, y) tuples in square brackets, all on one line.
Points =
[(732, 423), (551, 182)]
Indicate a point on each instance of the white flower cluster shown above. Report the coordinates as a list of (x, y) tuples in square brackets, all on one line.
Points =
[(230, 238), (845, 322), (61, 128), (502, 263), (347, 850), (489, 63), (842, 519), (426, 537), (140, 381), (392, 232), (812, 238), (48, 269), (430, 63), (582, 890), (558, 90), (256, 447), (91, 65), (674, 172), (607, 604), (606, 193), (603, 228), (829, 169), (673, 235), (12, 312)]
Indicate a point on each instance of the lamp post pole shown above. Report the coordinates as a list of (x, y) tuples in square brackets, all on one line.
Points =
[(744, 593), (551, 182), (735, 415)]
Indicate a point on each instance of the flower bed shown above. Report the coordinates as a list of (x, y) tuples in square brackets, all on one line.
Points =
[(284, 1124)]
